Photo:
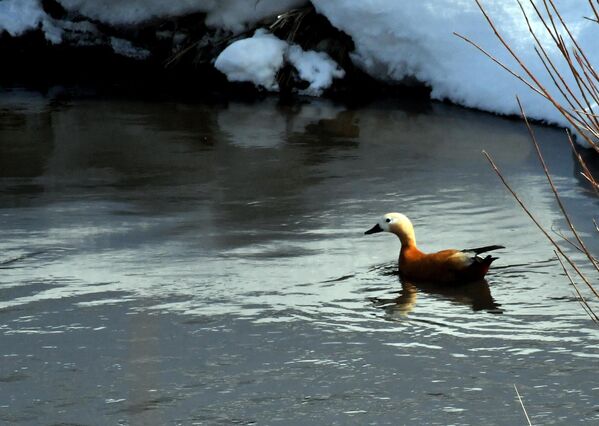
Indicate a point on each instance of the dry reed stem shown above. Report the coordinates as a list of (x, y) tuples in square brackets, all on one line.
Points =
[(554, 189), (522, 405), (559, 42), (296, 16), (583, 302), (272, 22), (577, 120), (501, 64), (545, 59), (536, 222), (595, 11), (567, 29), (592, 181), (584, 85), (586, 173), (569, 241), (573, 120), (580, 93)]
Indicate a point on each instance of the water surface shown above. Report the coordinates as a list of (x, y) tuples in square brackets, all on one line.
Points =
[(190, 263)]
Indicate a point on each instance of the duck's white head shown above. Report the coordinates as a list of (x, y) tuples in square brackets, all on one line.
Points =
[(397, 224)]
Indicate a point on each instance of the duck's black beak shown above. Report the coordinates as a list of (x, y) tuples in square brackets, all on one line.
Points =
[(376, 228)]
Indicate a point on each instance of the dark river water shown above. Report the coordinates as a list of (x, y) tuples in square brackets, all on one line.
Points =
[(189, 263)]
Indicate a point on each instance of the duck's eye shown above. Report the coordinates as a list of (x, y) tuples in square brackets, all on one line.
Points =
[(387, 220)]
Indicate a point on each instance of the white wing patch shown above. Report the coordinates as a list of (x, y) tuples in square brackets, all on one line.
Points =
[(465, 258)]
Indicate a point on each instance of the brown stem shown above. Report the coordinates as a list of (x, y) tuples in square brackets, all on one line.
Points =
[(536, 222)]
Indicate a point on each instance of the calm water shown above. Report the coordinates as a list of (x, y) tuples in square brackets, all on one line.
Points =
[(182, 263)]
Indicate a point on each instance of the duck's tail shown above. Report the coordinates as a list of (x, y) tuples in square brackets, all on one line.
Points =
[(479, 250)]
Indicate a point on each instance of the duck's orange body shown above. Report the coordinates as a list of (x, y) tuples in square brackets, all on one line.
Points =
[(444, 266)]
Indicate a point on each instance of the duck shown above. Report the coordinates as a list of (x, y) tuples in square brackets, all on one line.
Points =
[(446, 266)]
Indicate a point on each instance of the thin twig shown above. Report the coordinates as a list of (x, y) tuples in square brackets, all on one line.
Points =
[(594, 11), (554, 189), (569, 241), (545, 59), (536, 222), (558, 40), (522, 405), (536, 84), (583, 302), (501, 64), (585, 170)]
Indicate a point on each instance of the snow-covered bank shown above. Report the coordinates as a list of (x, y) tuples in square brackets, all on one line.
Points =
[(393, 41), (398, 39), (18, 16)]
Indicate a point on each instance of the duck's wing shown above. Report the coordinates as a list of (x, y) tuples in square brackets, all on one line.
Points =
[(479, 250), (478, 265)]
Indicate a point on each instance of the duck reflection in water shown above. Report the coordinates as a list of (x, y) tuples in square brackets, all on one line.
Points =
[(475, 294)]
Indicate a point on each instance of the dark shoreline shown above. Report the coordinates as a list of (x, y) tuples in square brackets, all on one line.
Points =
[(35, 65), (70, 72)]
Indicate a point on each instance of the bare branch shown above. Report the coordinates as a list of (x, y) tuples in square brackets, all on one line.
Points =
[(535, 82), (583, 302), (537, 223), (501, 64), (554, 189), (586, 173)]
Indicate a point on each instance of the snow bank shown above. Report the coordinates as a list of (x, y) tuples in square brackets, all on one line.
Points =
[(258, 59), (232, 15), (395, 40), (19, 16)]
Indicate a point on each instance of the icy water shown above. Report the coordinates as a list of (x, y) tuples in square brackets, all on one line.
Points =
[(185, 263)]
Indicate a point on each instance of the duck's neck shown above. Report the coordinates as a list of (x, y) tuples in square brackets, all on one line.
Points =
[(408, 239), (407, 242)]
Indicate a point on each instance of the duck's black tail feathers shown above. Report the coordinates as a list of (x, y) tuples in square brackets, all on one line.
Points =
[(479, 250)]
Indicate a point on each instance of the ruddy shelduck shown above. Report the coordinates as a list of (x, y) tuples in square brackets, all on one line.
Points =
[(446, 266)]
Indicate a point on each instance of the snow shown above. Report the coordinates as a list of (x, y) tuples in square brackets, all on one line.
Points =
[(394, 41), (232, 15), (126, 48), (258, 59), (18, 16), (317, 68)]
